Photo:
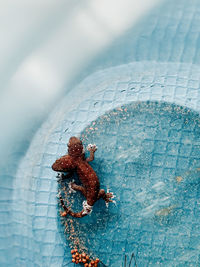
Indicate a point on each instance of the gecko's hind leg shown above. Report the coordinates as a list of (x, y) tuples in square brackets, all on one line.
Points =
[(78, 188), (106, 196)]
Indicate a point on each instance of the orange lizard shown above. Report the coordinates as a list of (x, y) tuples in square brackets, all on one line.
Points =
[(75, 161)]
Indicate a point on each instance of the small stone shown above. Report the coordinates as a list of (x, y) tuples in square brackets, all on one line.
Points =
[(179, 179), (63, 214), (87, 257)]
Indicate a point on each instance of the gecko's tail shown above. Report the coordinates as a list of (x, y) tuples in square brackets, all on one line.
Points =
[(85, 211)]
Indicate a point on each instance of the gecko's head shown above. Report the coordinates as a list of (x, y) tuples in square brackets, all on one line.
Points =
[(66, 163), (75, 147)]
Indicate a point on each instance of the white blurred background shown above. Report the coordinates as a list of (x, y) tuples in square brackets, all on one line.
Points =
[(44, 45)]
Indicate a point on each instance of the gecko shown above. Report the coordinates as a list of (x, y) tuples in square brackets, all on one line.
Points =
[(75, 161)]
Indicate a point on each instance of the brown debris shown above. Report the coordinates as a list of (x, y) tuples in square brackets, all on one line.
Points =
[(83, 258)]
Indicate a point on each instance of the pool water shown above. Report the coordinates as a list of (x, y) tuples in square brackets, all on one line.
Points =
[(149, 157)]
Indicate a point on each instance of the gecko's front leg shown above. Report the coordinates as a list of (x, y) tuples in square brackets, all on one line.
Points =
[(92, 149)]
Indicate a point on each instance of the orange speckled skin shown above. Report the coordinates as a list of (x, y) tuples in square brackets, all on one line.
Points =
[(89, 180), (76, 161)]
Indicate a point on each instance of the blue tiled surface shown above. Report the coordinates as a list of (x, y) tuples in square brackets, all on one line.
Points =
[(143, 144), (170, 33), (31, 234)]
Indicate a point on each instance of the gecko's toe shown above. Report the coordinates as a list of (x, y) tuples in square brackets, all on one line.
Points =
[(109, 197), (92, 147), (71, 190)]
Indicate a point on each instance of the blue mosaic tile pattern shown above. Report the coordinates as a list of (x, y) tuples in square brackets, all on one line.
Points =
[(169, 33), (148, 154), (30, 232)]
